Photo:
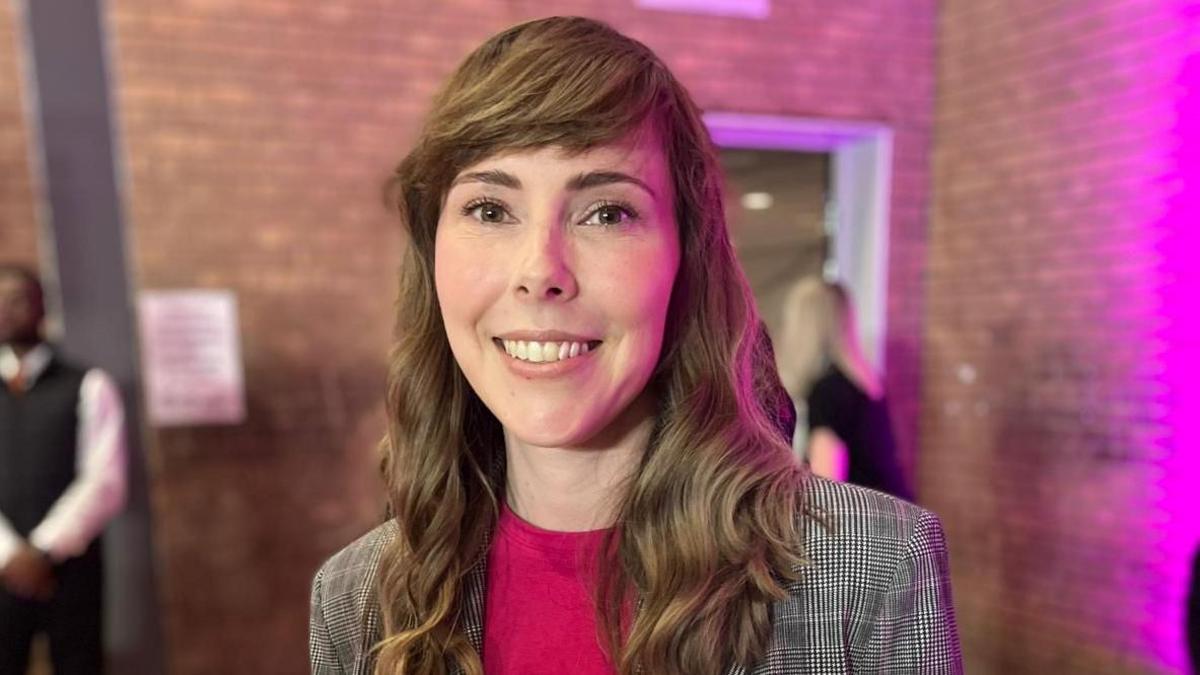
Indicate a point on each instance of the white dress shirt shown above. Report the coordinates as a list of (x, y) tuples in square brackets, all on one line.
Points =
[(98, 491)]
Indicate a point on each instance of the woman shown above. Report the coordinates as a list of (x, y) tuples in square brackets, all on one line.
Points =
[(582, 468), (821, 363)]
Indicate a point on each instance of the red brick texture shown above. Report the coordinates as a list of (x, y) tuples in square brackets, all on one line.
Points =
[(18, 204), (1042, 431), (19, 226), (1024, 295), (255, 137)]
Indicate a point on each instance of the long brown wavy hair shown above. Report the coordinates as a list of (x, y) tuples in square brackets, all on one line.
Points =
[(708, 531)]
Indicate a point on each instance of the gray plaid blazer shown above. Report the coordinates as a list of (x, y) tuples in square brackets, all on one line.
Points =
[(874, 599)]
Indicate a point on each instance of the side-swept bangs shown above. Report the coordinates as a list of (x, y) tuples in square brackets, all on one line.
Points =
[(538, 84)]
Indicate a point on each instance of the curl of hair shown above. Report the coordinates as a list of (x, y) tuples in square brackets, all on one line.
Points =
[(708, 531)]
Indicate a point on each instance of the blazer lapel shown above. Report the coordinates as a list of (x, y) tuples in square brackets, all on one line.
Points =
[(474, 596)]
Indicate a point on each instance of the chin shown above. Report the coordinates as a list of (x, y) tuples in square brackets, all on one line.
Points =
[(548, 431)]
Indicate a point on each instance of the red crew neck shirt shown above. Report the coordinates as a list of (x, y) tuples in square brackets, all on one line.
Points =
[(540, 615)]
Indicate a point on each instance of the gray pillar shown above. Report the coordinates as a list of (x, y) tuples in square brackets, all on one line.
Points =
[(67, 57)]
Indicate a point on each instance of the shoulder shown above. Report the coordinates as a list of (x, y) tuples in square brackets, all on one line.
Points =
[(874, 592), (348, 576), (835, 384), (832, 398), (54, 364), (344, 619), (825, 383), (844, 522), (96, 383), (353, 567), (52, 356)]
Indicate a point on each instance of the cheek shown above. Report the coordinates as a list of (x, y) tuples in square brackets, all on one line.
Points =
[(660, 285), (462, 282), (641, 291)]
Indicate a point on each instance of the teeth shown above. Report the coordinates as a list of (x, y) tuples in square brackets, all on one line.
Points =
[(544, 352)]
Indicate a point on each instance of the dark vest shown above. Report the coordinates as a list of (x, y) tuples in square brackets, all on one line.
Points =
[(38, 437)]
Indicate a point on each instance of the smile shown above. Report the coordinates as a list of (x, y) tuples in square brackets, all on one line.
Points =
[(533, 351)]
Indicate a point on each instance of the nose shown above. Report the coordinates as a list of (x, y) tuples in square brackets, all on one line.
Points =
[(545, 271)]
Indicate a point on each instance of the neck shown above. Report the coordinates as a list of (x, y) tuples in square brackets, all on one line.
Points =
[(22, 346), (575, 489)]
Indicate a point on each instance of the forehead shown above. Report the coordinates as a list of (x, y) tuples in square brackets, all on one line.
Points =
[(638, 154)]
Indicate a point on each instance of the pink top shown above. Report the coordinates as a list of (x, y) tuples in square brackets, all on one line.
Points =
[(540, 615)]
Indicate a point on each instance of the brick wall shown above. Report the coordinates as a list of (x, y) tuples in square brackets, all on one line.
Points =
[(1047, 439), (255, 138), (1027, 310), (18, 223)]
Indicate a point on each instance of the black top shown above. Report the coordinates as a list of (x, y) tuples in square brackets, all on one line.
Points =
[(864, 426)]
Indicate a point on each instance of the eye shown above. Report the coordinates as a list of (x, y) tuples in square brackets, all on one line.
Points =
[(611, 214), (487, 211)]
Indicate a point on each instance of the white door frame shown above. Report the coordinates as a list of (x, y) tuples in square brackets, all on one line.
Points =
[(861, 179)]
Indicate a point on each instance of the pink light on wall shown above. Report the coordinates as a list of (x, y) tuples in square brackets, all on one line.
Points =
[(1179, 340), (753, 9)]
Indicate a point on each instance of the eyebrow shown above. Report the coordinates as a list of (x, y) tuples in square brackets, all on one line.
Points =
[(490, 177), (577, 183), (597, 178)]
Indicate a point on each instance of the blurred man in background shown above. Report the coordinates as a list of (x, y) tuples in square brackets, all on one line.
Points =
[(62, 478)]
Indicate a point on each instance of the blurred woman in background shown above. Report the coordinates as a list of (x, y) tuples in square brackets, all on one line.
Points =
[(585, 468), (822, 365)]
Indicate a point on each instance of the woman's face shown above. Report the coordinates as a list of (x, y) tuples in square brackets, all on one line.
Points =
[(554, 272)]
